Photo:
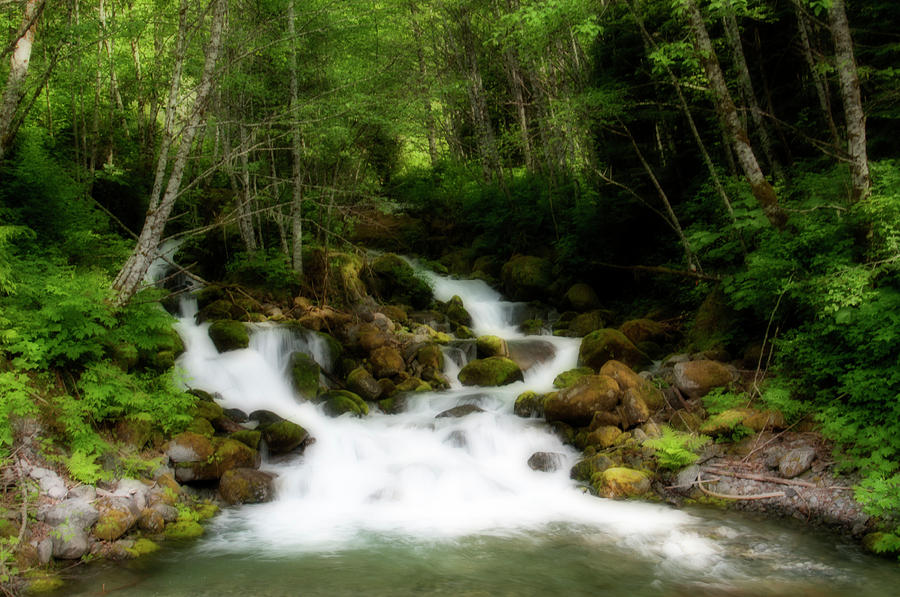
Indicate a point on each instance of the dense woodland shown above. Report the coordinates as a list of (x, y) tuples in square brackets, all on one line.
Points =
[(661, 150)]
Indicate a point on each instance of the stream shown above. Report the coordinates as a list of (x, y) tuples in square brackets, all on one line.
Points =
[(411, 504)]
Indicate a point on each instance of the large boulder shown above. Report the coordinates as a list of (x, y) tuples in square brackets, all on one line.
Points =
[(607, 344), (386, 362), (643, 330), (189, 447), (577, 404), (629, 380), (284, 436), (491, 346), (585, 323), (529, 352), (247, 486), (456, 312), (227, 454), (305, 375), (493, 371), (69, 522), (117, 515), (529, 404), (697, 378), (338, 402), (633, 409), (581, 297), (568, 378), (228, 335), (361, 382), (726, 422), (526, 277), (432, 356), (396, 281), (621, 482)]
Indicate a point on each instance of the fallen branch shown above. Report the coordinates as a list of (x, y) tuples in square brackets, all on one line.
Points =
[(658, 269), (729, 496), (763, 478)]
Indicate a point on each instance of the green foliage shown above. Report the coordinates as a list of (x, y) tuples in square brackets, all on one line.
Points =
[(84, 468), (718, 400), (268, 269), (15, 401), (777, 397), (676, 449)]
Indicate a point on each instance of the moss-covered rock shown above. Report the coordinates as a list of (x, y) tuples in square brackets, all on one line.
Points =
[(231, 454), (184, 530), (432, 356), (152, 521), (42, 581), (491, 346), (620, 482), (634, 410), (134, 432), (603, 437), (386, 362), (396, 281), (247, 486), (526, 277), (585, 323), (206, 408), (338, 402), (189, 447), (585, 469), (697, 378), (531, 327), (581, 297), (493, 371), (629, 380), (456, 312), (568, 378), (577, 404), (116, 517), (714, 322), (529, 404), (644, 330), (142, 547), (361, 382), (284, 436), (229, 335), (305, 375), (248, 437), (725, 423), (607, 344), (219, 309), (201, 426)]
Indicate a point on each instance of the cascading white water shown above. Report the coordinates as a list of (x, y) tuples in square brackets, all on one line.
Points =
[(412, 475)]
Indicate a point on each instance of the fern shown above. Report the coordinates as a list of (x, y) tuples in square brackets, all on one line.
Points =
[(676, 449)]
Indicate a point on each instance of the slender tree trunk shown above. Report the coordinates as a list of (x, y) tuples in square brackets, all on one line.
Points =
[(423, 86), (820, 84), (854, 116), (481, 119), (296, 151), (132, 273), (18, 71), (517, 84), (245, 201), (761, 188)]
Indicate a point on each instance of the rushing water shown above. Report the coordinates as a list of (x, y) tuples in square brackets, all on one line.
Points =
[(411, 504)]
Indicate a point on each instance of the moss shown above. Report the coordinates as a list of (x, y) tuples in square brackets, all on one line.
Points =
[(248, 437), (431, 356), (526, 277), (229, 335), (112, 524), (618, 482), (305, 375), (529, 404), (162, 360), (568, 378), (491, 346), (493, 371), (396, 281), (208, 409), (206, 510), (464, 333), (142, 547), (184, 529), (456, 312), (338, 402), (201, 426), (584, 324), (284, 436), (607, 344), (231, 454), (40, 582), (532, 327)]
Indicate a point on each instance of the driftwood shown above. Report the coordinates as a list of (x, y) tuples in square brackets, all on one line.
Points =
[(764, 478), (728, 496)]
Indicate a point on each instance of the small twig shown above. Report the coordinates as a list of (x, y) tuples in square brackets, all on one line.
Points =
[(746, 458)]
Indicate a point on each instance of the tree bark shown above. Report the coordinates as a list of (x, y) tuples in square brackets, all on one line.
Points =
[(855, 118), (423, 86), (132, 273), (296, 151), (820, 84), (18, 72), (245, 201), (760, 187)]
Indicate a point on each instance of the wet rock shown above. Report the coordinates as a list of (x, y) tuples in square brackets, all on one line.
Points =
[(697, 378), (607, 344), (643, 330), (526, 277), (585, 469), (361, 382), (265, 417), (284, 436), (386, 362), (229, 335), (152, 521), (603, 437), (189, 447), (634, 409), (621, 482), (491, 346), (236, 415), (629, 380), (305, 374), (396, 281), (69, 521), (249, 437), (227, 454), (568, 378), (581, 297), (585, 323), (530, 352), (529, 404), (201, 426), (117, 515), (460, 411), (493, 371), (456, 312), (796, 462), (339, 402), (247, 486), (430, 355), (577, 404), (546, 461)]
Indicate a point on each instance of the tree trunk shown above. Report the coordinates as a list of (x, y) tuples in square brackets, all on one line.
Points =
[(481, 119), (132, 273), (845, 63), (18, 71), (761, 188), (296, 151), (423, 87), (245, 201), (516, 82), (820, 84)]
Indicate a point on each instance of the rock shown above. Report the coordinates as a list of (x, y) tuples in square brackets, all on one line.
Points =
[(117, 515), (368, 337), (634, 409), (142, 547), (725, 422), (619, 482), (135, 490), (305, 374), (361, 382), (529, 404), (397, 313), (697, 378), (491, 346), (183, 530), (69, 521), (526, 277), (189, 447), (605, 419), (249, 437), (51, 483), (493, 371), (201, 426), (530, 352), (228, 454), (432, 356), (284, 436), (686, 478), (265, 417), (604, 436), (152, 521), (206, 407), (577, 404), (629, 380), (685, 420), (387, 362), (338, 402), (581, 297), (585, 469), (247, 486), (546, 461), (396, 281), (604, 345), (796, 462), (229, 335), (460, 411), (134, 432), (236, 415), (585, 323), (456, 312), (568, 378), (713, 322), (643, 330)]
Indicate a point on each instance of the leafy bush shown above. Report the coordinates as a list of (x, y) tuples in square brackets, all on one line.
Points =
[(719, 400)]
